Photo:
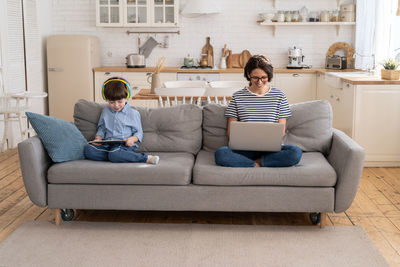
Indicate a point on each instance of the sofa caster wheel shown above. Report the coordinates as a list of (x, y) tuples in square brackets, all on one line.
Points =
[(315, 218), (67, 214)]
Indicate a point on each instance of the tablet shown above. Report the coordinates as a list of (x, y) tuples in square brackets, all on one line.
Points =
[(110, 141)]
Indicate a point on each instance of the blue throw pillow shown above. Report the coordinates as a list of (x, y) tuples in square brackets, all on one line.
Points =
[(62, 140)]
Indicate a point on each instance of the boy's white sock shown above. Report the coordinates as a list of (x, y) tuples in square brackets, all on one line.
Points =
[(153, 159)]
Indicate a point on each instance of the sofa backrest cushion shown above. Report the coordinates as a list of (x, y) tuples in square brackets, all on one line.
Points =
[(86, 116), (169, 129), (214, 127), (310, 126), (172, 129)]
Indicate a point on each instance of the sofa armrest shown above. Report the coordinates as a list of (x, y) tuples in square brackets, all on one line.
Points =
[(347, 158), (34, 162)]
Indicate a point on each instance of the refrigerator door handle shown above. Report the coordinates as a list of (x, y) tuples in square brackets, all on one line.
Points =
[(55, 69)]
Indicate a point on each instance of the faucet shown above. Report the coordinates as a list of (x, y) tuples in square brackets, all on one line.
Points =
[(369, 69)]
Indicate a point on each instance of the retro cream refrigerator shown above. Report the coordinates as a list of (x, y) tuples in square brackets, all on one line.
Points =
[(70, 63)]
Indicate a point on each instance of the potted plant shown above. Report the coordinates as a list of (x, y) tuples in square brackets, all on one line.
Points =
[(389, 71)]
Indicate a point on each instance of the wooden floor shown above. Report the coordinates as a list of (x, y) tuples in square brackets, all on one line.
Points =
[(376, 208)]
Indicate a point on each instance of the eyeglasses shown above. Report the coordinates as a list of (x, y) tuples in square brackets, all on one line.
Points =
[(256, 79)]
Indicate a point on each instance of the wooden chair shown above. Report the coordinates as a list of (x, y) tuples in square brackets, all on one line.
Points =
[(229, 84), (13, 107), (221, 95), (179, 95)]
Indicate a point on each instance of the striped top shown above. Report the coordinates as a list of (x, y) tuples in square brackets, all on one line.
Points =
[(248, 106)]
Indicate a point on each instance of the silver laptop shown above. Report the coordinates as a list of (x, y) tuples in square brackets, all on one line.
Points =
[(256, 136)]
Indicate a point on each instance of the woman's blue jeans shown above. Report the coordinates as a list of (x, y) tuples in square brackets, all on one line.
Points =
[(288, 156), (114, 153)]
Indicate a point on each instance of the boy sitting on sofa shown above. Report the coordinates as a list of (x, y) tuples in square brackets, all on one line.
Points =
[(118, 121)]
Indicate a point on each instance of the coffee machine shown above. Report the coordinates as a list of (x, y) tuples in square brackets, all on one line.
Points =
[(296, 58)]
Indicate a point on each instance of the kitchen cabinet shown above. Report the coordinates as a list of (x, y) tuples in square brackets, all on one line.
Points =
[(369, 114), (231, 77), (377, 123), (208, 77), (298, 87), (342, 102), (137, 13)]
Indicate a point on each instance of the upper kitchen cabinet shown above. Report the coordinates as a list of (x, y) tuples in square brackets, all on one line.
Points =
[(137, 13)]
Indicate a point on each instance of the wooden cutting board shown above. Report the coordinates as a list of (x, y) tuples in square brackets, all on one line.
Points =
[(244, 57), (209, 51), (236, 60)]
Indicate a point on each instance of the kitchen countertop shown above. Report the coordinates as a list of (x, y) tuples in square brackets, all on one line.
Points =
[(216, 70), (367, 80)]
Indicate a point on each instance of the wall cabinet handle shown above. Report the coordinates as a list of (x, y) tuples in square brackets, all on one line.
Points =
[(55, 69)]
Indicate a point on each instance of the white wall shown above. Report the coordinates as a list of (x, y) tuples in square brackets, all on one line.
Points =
[(236, 26)]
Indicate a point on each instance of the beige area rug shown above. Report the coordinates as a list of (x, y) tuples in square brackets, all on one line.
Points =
[(40, 243)]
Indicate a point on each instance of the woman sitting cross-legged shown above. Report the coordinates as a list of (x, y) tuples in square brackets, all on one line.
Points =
[(258, 102)]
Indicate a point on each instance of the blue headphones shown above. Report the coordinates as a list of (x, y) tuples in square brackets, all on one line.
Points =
[(127, 86)]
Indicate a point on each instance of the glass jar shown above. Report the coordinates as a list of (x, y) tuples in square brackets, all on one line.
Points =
[(335, 16), (280, 16), (304, 14), (295, 16), (312, 16), (325, 16), (288, 16)]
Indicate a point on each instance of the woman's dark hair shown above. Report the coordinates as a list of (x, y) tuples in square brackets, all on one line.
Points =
[(259, 62), (114, 89)]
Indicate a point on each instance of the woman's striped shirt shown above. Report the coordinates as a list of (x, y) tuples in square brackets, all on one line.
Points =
[(248, 106)]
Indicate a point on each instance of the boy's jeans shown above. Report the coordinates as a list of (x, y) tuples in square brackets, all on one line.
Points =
[(114, 153), (288, 156)]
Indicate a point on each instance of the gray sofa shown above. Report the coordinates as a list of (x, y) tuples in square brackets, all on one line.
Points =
[(185, 137)]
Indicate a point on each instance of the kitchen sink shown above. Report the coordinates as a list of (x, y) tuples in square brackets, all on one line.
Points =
[(351, 74), (334, 79)]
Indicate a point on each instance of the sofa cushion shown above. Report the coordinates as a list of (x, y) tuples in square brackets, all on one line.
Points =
[(86, 116), (172, 129), (312, 170), (310, 126), (214, 127), (173, 169), (169, 129), (62, 140)]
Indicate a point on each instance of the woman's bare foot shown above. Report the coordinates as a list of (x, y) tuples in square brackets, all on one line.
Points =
[(258, 163)]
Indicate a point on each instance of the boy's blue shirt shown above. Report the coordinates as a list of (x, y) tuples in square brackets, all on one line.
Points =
[(120, 125)]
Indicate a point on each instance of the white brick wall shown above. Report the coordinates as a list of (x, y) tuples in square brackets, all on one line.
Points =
[(236, 26)]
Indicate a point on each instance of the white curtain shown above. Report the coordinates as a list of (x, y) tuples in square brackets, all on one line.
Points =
[(373, 32), (385, 14), (365, 33)]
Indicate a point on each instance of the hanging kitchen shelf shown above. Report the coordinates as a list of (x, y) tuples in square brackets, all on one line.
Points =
[(274, 3), (337, 24)]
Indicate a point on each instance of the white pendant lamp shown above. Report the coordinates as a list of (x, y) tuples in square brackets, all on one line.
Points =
[(196, 8)]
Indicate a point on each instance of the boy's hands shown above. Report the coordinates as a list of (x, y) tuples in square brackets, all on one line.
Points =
[(97, 138), (131, 141)]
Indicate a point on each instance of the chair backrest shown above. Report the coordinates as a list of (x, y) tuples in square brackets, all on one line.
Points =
[(180, 91), (177, 84), (221, 95), (226, 91), (179, 95), (232, 84)]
